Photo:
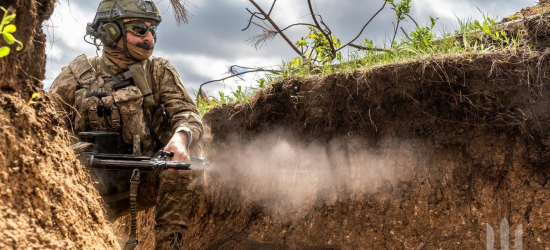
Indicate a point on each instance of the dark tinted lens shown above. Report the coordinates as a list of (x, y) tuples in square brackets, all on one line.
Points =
[(153, 30), (140, 29)]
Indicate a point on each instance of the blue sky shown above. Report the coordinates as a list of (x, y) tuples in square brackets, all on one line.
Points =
[(212, 41)]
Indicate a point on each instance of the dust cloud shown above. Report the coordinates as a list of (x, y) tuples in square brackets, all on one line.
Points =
[(285, 176)]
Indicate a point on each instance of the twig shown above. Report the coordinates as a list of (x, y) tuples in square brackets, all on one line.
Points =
[(395, 32), (415, 23), (252, 15), (327, 36), (297, 24), (405, 33), (367, 48), (278, 30), (231, 69), (363, 29)]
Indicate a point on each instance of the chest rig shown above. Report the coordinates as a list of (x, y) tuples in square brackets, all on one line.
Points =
[(114, 103)]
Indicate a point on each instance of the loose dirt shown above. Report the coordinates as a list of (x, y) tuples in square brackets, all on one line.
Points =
[(46, 198), (425, 154)]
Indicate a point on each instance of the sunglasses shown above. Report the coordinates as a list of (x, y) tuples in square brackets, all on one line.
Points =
[(141, 29)]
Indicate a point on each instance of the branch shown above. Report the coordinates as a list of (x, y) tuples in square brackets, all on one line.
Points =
[(252, 15), (395, 32), (327, 36), (415, 23), (278, 29), (405, 33), (304, 24), (272, 6), (238, 74), (367, 48), (363, 29), (329, 32)]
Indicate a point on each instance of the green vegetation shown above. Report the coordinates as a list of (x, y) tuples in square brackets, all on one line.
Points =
[(33, 98), (7, 30), (321, 57), (239, 95)]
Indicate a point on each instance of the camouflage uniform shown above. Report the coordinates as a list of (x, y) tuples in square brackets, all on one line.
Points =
[(174, 112)]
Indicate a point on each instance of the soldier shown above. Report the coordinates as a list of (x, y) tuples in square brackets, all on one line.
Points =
[(143, 98)]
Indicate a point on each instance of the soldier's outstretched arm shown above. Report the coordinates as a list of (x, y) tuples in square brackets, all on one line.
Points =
[(180, 108)]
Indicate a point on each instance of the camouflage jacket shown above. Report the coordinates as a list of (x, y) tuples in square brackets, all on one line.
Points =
[(174, 110)]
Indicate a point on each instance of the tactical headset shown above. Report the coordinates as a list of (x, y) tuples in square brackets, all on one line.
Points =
[(109, 34)]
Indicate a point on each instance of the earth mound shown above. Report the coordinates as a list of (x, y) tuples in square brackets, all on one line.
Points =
[(46, 198), (427, 154)]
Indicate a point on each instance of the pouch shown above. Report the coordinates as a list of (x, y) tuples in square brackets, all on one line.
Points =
[(90, 105), (129, 101)]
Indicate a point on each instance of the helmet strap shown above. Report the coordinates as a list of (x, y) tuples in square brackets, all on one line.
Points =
[(126, 51), (124, 41)]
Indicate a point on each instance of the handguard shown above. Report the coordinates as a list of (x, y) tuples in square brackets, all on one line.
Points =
[(129, 163), (98, 154)]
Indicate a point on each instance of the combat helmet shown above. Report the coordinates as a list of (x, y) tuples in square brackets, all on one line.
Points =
[(108, 24)]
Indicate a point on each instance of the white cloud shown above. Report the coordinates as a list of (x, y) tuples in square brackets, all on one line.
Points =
[(451, 9)]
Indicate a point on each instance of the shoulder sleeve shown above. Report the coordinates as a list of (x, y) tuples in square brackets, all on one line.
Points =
[(62, 92), (180, 108)]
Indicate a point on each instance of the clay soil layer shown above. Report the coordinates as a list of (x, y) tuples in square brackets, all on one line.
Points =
[(427, 154), (47, 200), (460, 142)]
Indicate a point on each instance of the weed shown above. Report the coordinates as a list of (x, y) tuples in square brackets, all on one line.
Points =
[(7, 30), (472, 36), (33, 98)]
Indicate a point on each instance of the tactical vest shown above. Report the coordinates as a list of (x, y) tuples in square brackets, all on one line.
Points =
[(104, 105)]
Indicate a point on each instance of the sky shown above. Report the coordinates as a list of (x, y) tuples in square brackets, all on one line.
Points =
[(212, 41)]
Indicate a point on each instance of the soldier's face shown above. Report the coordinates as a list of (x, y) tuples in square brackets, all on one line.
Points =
[(145, 42)]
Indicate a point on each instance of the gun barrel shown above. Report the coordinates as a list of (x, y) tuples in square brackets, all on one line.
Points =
[(142, 165)]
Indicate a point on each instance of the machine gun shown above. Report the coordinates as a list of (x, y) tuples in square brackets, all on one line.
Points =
[(96, 152)]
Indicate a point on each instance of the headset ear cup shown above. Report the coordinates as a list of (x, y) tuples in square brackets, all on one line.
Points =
[(111, 34)]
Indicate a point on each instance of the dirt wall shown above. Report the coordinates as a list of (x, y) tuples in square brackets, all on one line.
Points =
[(423, 155), (22, 71), (417, 155), (46, 198)]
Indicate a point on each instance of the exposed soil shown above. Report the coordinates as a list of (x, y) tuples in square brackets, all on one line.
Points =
[(46, 198), (415, 155), (446, 145)]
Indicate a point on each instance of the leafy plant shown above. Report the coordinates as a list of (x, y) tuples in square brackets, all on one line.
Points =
[(401, 9), (239, 95), (7, 30), (33, 98), (422, 38), (317, 48), (489, 27)]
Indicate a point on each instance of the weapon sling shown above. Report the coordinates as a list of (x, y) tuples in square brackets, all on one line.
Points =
[(134, 185), (158, 143)]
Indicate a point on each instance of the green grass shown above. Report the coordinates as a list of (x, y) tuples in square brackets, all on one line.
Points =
[(473, 36)]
